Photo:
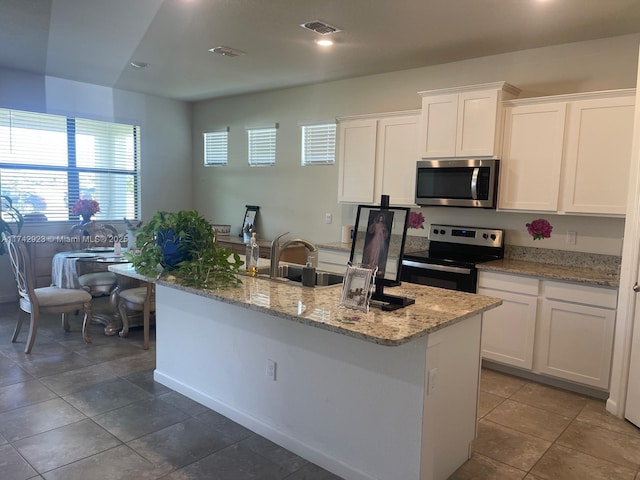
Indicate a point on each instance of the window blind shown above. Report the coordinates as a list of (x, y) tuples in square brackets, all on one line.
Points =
[(262, 146), (48, 162), (216, 148), (319, 144)]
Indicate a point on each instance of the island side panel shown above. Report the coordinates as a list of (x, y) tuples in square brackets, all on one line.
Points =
[(452, 384), (351, 406)]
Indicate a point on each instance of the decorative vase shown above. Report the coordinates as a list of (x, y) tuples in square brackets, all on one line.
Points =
[(172, 251), (86, 218), (131, 239)]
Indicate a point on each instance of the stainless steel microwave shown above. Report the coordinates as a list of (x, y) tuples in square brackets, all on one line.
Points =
[(457, 182)]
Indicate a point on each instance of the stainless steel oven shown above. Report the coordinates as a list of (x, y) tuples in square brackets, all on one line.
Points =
[(451, 259)]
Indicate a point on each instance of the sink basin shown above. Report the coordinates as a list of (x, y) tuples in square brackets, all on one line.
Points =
[(293, 273)]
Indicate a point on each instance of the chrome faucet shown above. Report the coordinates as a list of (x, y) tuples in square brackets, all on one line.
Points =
[(276, 252)]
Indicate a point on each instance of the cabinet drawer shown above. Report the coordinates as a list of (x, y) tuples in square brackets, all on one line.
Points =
[(508, 282), (584, 294)]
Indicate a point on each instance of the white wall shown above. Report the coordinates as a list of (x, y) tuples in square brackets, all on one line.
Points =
[(165, 135), (295, 199)]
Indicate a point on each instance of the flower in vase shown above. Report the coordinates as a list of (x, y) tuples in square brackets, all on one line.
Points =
[(85, 207), (539, 229)]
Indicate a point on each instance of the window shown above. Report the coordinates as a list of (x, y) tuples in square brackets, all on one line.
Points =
[(216, 148), (319, 144), (48, 162), (262, 146)]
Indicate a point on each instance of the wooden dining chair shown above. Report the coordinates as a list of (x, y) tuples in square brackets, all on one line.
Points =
[(96, 234), (34, 301), (138, 299)]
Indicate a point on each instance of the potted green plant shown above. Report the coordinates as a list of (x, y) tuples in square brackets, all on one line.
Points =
[(5, 228), (182, 244)]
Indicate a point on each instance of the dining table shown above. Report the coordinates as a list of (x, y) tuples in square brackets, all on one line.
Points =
[(67, 267)]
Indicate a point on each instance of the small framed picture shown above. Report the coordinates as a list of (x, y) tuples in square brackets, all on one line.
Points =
[(356, 288), (249, 221)]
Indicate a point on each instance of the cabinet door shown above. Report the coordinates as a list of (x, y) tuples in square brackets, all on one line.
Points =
[(476, 123), (532, 157), (598, 156), (357, 160), (575, 342), (397, 155), (438, 123)]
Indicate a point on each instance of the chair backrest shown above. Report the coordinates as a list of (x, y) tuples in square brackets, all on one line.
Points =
[(21, 266), (94, 234)]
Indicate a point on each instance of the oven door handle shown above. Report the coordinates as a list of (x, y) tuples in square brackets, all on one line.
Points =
[(440, 268), (474, 183)]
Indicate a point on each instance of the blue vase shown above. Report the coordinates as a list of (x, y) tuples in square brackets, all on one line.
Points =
[(173, 251)]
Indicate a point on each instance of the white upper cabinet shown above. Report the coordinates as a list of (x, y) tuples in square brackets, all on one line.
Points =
[(598, 155), (464, 121), (377, 156), (567, 153), (530, 165)]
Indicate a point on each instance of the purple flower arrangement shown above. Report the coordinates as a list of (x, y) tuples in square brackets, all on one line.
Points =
[(416, 220)]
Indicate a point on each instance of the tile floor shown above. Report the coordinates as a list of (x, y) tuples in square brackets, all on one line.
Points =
[(92, 412)]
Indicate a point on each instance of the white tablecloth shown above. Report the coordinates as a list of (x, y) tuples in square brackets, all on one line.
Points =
[(64, 267)]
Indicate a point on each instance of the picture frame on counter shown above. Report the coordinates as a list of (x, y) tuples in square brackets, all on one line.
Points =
[(356, 288), (249, 221)]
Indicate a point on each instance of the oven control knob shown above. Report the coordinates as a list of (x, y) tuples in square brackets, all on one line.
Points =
[(493, 236), (485, 236), (435, 231), (442, 232)]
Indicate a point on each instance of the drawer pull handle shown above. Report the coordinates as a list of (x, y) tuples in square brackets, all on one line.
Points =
[(636, 288)]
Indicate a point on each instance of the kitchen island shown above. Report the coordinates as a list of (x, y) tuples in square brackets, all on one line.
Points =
[(378, 395)]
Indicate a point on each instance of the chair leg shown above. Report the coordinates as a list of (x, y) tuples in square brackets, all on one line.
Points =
[(33, 330), (125, 319), (88, 316), (16, 331), (65, 322)]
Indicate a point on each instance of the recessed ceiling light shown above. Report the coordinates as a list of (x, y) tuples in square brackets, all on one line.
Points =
[(324, 42), (138, 65), (227, 51)]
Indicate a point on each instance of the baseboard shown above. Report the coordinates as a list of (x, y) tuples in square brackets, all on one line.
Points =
[(268, 431), (552, 382)]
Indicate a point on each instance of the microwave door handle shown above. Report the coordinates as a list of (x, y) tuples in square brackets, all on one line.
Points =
[(474, 183)]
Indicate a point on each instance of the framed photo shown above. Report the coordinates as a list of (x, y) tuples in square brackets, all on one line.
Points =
[(249, 221), (356, 288), (379, 237)]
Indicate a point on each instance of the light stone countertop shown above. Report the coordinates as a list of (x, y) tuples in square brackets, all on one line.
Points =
[(607, 277), (434, 309)]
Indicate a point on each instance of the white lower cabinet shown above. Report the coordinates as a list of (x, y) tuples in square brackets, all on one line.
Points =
[(560, 329), (331, 260), (508, 331)]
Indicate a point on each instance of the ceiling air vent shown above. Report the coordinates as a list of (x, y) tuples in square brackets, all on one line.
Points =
[(227, 51), (319, 27)]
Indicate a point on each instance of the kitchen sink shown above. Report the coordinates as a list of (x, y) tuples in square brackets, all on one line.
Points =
[(293, 273)]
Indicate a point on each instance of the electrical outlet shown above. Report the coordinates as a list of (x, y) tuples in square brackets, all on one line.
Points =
[(271, 369), (328, 218), (571, 237)]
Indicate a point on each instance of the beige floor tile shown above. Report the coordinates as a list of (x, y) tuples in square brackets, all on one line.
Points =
[(558, 401), (488, 401), (561, 463), (509, 446), (480, 467), (602, 443), (531, 477), (595, 413), (531, 420), (499, 384)]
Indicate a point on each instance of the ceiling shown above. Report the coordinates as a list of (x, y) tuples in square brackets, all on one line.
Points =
[(94, 41)]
